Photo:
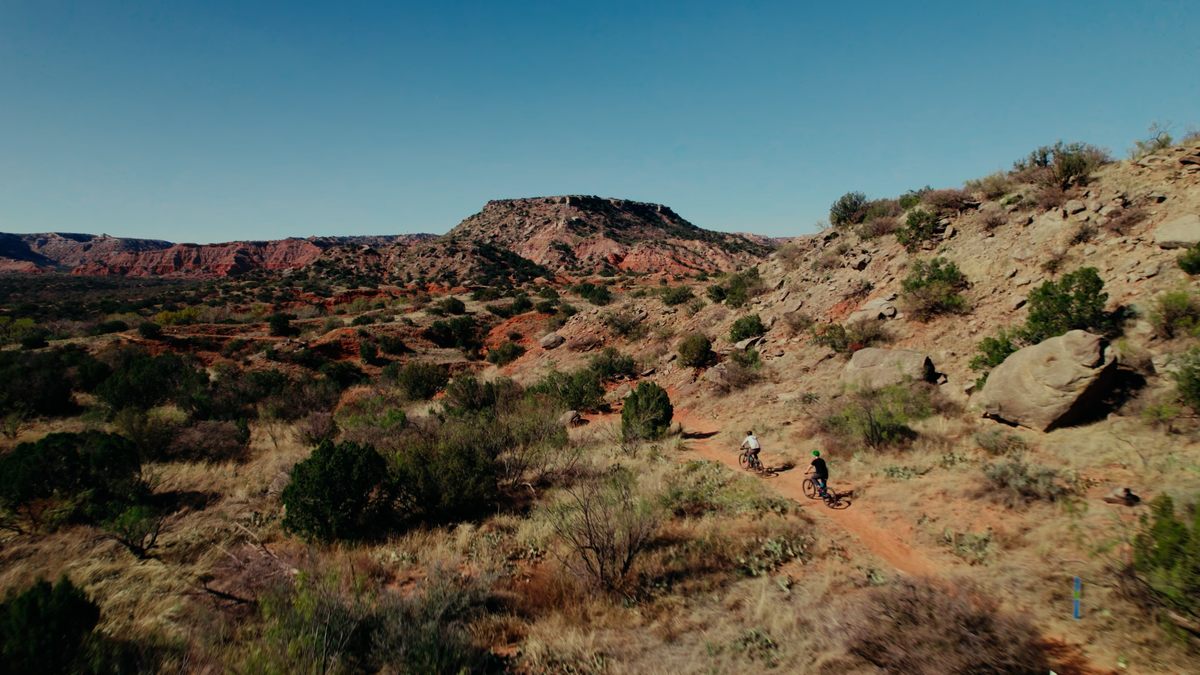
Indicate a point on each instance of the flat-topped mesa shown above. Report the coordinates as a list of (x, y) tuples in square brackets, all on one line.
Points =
[(583, 234)]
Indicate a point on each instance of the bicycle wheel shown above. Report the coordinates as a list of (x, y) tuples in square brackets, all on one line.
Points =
[(810, 488), (744, 460)]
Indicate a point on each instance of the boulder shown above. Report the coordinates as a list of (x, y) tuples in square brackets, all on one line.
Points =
[(1050, 384), (872, 368), (570, 418), (749, 342), (1181, 232), (878, 308), (551, 340)]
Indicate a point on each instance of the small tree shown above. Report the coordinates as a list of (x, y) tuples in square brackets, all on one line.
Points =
[(746, 327), (280, 324), (337, 493), (695, 351), (419, 380), (848, 209), (150, 330), (647, 413), (137, 529), (605, 526), (933, 288), (919, 227), (452, 305), (1074, 302), (47, 629)]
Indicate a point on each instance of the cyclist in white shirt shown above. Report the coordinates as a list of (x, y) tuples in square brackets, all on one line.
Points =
[(751, 443)]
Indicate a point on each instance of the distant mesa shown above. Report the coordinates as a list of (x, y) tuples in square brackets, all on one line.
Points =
[(514, 239)]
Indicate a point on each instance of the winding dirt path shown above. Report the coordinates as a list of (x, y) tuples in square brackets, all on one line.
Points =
[(856, 520)]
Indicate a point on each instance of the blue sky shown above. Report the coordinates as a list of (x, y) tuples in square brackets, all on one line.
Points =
[(210, 121)]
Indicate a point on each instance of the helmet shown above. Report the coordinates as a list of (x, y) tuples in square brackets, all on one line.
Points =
[(816, 453)]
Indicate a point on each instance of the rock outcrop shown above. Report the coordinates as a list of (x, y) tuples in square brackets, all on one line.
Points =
[(1050, 384), (872, 368), (1181, 232)]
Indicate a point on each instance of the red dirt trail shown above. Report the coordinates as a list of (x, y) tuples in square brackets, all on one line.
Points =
[(855, 520)]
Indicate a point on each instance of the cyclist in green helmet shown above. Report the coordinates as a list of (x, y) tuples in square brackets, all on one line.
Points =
[(820, 472)]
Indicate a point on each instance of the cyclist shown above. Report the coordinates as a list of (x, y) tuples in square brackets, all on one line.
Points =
[(751, 443), (820, 473)]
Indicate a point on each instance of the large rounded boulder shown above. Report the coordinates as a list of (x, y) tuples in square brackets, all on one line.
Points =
[(873, 368), (1051, 384)]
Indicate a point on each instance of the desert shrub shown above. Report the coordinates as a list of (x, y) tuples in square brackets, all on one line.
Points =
[(947, 201), (924, 627), (150, 330), (848, 209), (716, 293), (932, 288), (797, 322), (448, 471), (746, 327), (418, 380), (593, 293), (742, 286), (1126, 220), (342, 374), (48, 629), (1061, 164), (535, 443), (139, 380), (624, 323), (368, 351), (467, 394), (452, 305), (546, 306), (519, 305), (505, 353), (610, 364), (994, 349), (1049, 197), (87, 476), (280, 325), (877, 227), (576, 390), (12, 330), (393, 345), (316, 428), (136, 528), (920, 226), (695, 350), (211, 441), (647, 413), (1187, 378), (41, 383), (1158, 138), (1076, 301), (1000, 442), (1014, 482), (851, 337), (461, 332), (364, 320), (676, 295), (746, 358), (1175, 313), (339, 492), (879, 418), (605, 526), (1189, 260), (912, 198), (1166, 556), (992, 186), (790, 255), (742, 370)]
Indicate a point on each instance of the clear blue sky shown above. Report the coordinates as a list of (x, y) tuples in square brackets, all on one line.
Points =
[(210, 121)]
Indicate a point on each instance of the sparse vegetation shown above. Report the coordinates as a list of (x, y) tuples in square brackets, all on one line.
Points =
[(849, 338), (1166, 557), (676, 295), (919, 227), (879, 417), (1175, 313), (695, 351), (418, 380), (934, 287), (505, 353), (1015, 482), (746, 327)]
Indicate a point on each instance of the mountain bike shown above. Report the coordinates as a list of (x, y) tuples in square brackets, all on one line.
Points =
[(749, 462), (832, 499)]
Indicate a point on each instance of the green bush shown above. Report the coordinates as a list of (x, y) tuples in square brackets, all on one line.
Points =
[(418, 380), (919, 227), (695, 351), (1187, 378), (339, 492), (848, 209), (912, 198), (849, 338), (742, 286), (139, 380), (1000, 442), (1061, 164), (1166, 556), (280, 325), (993, 350), (676, 295), (461, 332), (1016, 482), (593, 293), (41, 383), (879, 418), (1189, 260), (611, 364), (746, 327), (1076, 301), (467, 394), (1175, 313), (647, 413), (342, 374), (577, 390), (150, 330), (932, 288), (452, 305), (624, 323), (449, 471), (505, 353), (48, 629)]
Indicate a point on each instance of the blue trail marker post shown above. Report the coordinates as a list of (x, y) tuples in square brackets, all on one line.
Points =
[(1077, 595)]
